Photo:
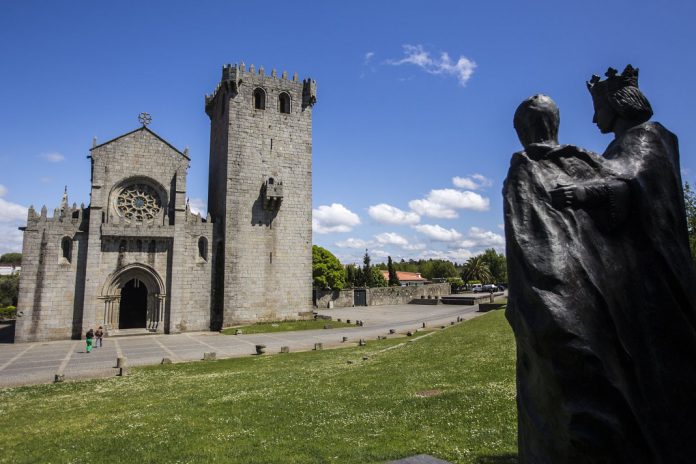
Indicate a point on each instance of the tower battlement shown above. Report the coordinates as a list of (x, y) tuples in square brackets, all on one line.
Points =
[(235, 76)]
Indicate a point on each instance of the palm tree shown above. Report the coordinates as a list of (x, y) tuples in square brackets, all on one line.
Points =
[(475, 268)]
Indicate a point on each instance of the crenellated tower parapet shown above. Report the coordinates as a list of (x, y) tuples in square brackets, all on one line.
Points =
[(236, 78)]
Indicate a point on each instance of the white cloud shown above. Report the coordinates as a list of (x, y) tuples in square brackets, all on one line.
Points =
[(391, 238), (444, 203), (352, 243), (12, 216), (197, 205), (485, 238), (53, 157), (418, 56), (438, 233), (387, 214), (473, 182), (368, 57), (334, 218), (432, 209), (415, 247)]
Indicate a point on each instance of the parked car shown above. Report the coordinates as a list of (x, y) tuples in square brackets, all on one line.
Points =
[(490, 288), (477, 288)]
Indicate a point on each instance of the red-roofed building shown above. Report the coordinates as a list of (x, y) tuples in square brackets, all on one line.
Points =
[(407, 279)]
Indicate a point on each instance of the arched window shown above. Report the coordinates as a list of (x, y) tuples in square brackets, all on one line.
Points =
[(152, 246), (203, 248), (66, 248), (259, 99), (139, 245), (284, 103), (123, 246)]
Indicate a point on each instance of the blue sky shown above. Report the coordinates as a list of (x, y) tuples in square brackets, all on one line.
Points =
[(413, 125)]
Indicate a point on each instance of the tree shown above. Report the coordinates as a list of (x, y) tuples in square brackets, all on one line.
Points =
[(496, 263), (367, 271), (326, 269), (9, 289), (393, 279), (690, 203), (378, 279), (438, 269), (476, 269), (351, 275), (11, 258)]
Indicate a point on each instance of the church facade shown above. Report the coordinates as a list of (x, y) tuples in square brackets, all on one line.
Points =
[(137, 260)]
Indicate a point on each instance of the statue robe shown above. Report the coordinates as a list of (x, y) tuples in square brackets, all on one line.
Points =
[(602, 305)]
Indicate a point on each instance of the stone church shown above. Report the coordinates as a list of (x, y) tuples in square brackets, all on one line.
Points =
[(137, 260)]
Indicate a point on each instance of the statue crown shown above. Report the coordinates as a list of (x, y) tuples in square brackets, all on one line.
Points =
[(614, 81)]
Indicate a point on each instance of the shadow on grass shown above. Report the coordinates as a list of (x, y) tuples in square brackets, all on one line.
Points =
[(7, 331), (499, 459)]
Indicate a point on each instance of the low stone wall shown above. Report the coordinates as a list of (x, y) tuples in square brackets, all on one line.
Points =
[(403, 295), (381, 296), (340, 298)]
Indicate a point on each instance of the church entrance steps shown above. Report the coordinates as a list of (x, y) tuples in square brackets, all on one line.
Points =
[(129, 332)]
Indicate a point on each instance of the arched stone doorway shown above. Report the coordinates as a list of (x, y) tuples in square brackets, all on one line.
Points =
[(133, 306), (134, 298)]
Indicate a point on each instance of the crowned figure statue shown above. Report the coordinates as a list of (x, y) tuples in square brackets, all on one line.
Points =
[(602, 287)]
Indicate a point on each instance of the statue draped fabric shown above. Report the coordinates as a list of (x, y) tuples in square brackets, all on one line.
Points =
[(602, 299)]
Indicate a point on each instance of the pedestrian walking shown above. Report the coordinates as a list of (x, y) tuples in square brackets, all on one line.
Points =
[(89, 337), (99, 334)]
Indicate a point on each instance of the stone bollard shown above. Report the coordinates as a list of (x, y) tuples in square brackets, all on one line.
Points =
[(166, 361), (362, 342), (492, 298), (423, 326), (284, 349), (121, 362), (409, 334), (392, 331), (260, 349), (459, 319), (209, 356), (238, 332), (345, 339), (59, 378), (318, 346)]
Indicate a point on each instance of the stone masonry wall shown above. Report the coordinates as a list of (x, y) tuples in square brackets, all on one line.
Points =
[(48, 308), (139, 156), (403, 295), (267, 254), (381, 296)]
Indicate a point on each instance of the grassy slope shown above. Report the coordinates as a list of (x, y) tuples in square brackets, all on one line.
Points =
[(300, 408), (285, 326)]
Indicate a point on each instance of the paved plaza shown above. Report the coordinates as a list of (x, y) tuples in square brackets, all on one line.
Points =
[(32, 363)]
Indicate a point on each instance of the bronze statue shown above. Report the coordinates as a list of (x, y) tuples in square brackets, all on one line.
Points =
[(602, 298)]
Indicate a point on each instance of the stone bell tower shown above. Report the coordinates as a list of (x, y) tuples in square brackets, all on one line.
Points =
[(260, 195)]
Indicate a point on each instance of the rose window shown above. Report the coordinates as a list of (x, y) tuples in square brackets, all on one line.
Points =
[(138, 202)]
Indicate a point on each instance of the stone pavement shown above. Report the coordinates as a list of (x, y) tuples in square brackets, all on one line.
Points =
[(31, 363)]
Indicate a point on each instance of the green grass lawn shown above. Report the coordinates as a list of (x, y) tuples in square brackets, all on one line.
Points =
[(285, 326), (450, 394)]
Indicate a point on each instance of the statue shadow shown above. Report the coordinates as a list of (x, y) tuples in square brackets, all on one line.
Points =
[(510, 458)]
